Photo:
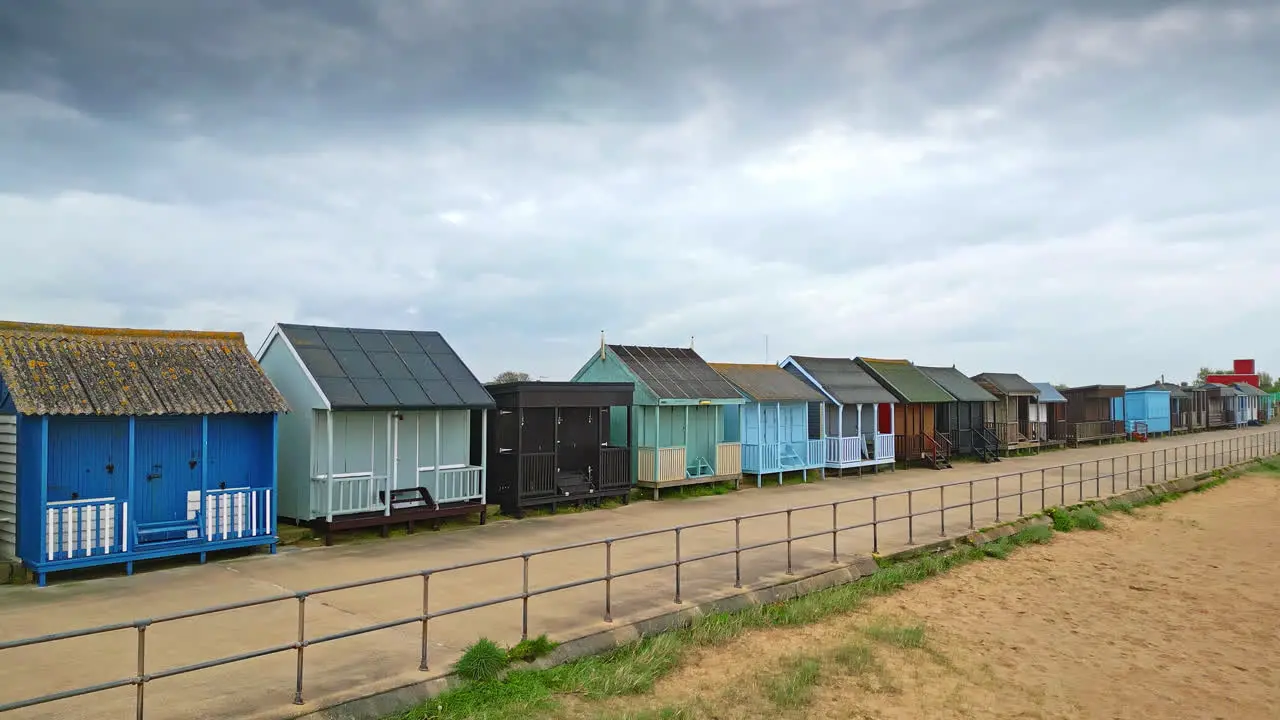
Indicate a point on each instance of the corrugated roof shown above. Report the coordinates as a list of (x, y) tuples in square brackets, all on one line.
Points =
[(675, 373), (767, 383), (844, 380), (69, 370), (1049, 393), (1005, 384), (958, 384), (386, 369), (905, 381)]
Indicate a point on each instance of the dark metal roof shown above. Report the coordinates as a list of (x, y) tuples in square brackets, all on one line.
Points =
[(958, 384), (537, 393), (1049, 393), (68, 370), (1005, 384), (1219, 388), (1174, 390), (385, 369), (905, 381), (844, 380), (675, 373), (767, 383)]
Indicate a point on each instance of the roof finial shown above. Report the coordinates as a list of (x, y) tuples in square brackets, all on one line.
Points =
[(690, 342), (602, 345)]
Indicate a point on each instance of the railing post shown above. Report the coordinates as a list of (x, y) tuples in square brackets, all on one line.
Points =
[(997, 498), (302, 644), (608, 581), (789, 541), (911, 520), (1020, 493), (678, 601), (835, 557), (142, 667), (426, 617), (1062, 484), (737, 552), (971, 526), (942, 511), (1042, 489), (875, 524), (524, 601)]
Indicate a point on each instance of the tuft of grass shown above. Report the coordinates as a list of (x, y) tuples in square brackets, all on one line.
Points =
[(1086, 519), (531, 649), (1063, 520), (1123, 506), (1033, 535), (792, 686), (997, 550), (1270, 466), (484, 660), (907, 637), (855, 658), (520, 695)]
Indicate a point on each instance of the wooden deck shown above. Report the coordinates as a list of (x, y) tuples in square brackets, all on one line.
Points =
[(409, 506)]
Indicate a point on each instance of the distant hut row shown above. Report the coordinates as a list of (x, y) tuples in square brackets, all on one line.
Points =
[(123, 445)]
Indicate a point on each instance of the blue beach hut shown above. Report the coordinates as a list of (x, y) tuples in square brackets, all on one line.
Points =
[(122, 445), (775, 427), (1147, 407)]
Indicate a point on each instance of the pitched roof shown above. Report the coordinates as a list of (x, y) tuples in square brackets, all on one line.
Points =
[(844, 380), (1247, 389), (905, 381), (1222, 390), (68, 370), (958, 384), (385, 369), (767, 383), (1174, 390), (1049, 393), (675, 373), (1005, 384)]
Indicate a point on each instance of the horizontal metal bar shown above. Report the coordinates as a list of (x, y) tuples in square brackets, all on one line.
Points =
[(68, 635), (67, 694), (228, 660), (362, 630), (221, 608)]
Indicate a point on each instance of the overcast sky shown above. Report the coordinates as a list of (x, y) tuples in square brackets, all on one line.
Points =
[(1077, 191)]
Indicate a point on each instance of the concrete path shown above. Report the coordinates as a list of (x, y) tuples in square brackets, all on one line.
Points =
[(361, 665)]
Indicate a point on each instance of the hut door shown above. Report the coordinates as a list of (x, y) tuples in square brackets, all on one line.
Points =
[(167, 467)]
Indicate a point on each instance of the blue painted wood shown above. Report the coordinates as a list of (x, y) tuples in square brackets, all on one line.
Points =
[(1147, 406)]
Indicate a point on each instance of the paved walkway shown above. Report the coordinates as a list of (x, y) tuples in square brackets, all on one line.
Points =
[(361, 665)]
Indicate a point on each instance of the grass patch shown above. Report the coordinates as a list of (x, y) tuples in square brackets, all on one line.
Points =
[(692, 491), (792, 686), (855, 659), (531, 649), (1269, 467), (907, 637), (1063, 521), (484, 660), (1123, 506), (1086, 519)]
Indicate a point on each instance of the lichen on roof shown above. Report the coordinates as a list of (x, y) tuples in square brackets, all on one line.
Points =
[(73, 370)]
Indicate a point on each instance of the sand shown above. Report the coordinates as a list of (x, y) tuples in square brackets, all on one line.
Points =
[(1171, 613)]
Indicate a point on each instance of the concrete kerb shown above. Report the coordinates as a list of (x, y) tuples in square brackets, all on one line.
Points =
[(396, 700)]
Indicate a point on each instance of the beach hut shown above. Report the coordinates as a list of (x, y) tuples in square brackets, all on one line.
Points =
[(1270, 405), (1091, 415), (119, 445), (1146, 411), (1221, 404), (964, 420), (774, 426), (549, 444), (857, 422), (916, 436), (381, 432), (1049, 413), (1180, 413), (677, 415), (1010, 421), (1249, 409), (1197, 406)]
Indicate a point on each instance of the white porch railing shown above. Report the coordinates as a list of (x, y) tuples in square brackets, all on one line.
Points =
[(456, 483), (670, 463), (728, 458), (884, 447), (844, 450), (348, 493), (777, 457), (82, 528), (238, 512)]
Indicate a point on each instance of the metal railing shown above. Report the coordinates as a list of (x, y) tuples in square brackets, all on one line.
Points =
[(1209, 455)]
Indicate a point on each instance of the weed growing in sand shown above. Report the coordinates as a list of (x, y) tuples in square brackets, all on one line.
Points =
[(908, 637), (792, 686), (1086, 519)]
